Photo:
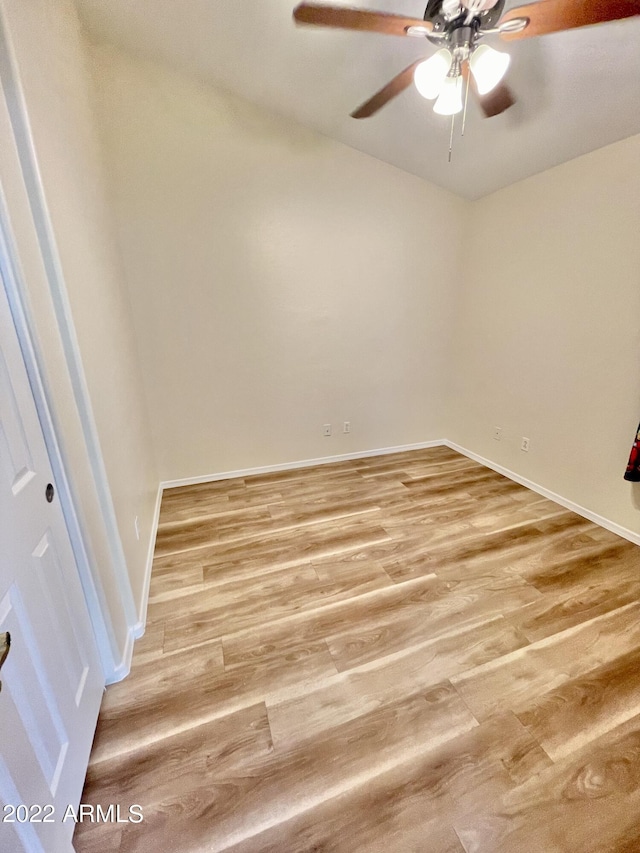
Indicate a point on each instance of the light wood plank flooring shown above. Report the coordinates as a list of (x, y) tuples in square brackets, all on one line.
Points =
[(403, 654)]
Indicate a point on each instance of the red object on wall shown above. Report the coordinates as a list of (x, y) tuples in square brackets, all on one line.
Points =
[(633, 468)]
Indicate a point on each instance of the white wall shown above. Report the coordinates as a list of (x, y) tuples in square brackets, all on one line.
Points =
[(548, 332), (279, 280), (51, 63)]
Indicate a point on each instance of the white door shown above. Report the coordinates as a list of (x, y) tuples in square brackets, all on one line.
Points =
[(51, 679)]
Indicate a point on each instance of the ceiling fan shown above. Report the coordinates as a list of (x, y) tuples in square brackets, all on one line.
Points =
[(457, 27)]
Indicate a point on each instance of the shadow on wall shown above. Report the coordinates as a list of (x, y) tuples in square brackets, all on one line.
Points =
[(635, 494)]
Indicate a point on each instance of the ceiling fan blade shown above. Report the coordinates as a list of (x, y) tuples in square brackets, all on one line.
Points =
[(552, 16), (357, 19), (499, 99), (496, 101), (399, 83)]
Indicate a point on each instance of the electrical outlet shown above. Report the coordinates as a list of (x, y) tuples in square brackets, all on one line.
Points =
[(326, 429), (525, 444), (497, 433), (346, 426), (137, 527)]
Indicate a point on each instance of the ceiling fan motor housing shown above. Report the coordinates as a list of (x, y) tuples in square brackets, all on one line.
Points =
[(438, 13)]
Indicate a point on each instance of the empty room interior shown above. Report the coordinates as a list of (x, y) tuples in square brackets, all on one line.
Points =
[(319, 436)]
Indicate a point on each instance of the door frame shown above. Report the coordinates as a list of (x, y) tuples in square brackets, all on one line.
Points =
[(114, 661), (10, 284)]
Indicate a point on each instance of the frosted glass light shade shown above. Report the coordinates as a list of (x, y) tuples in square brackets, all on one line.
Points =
[(450, 100), (488, 67), (430, 74)]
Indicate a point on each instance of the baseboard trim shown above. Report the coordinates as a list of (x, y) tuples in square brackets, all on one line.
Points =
[(124, 667), (618, 529), (303, 463), (600, 520), (138, 628)]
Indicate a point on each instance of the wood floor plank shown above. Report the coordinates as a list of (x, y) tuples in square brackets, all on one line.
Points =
[(238, 605), (514, 550), (587, 802), (620, 558), (153, 773), (581, 601), (167, 705), (166, 585), (157, 676), (519, 677), (157, 770), (189, 535), (184, 502), (409, 807), (441, 518), (284, 783), (100, 838), (322, 510), (350, 824), (298, 542), (394, 618), (356, 692), (149, 646), (586, 707), (405, 653), (464, 605), (291, 636)]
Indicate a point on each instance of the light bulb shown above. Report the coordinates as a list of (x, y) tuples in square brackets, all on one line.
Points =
[(450, 100), (488, 67), (429, 75)]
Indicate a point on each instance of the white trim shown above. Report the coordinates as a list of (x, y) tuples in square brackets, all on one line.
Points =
[(303, 463), (600, 520), (93, 592), (21, 127), (136, 631), (139, 627), (124, 667)]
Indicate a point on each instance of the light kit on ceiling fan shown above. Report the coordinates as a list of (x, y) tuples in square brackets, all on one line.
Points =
[(488, 67), (449, 101), (440, 76), (457, 28), (430, 75)]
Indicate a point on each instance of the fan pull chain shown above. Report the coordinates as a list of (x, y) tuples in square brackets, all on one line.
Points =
[(466, 100), (453, 122)]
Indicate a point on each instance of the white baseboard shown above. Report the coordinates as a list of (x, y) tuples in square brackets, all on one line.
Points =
[(618, 529), (600, 520), (304, 463), (135, 631), (124, 667), (138, 628)]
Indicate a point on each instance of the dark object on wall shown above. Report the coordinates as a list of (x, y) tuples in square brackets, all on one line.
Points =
[(633, 468)]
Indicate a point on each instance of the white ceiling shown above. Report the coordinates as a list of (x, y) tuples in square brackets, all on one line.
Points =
[(576, 91)]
